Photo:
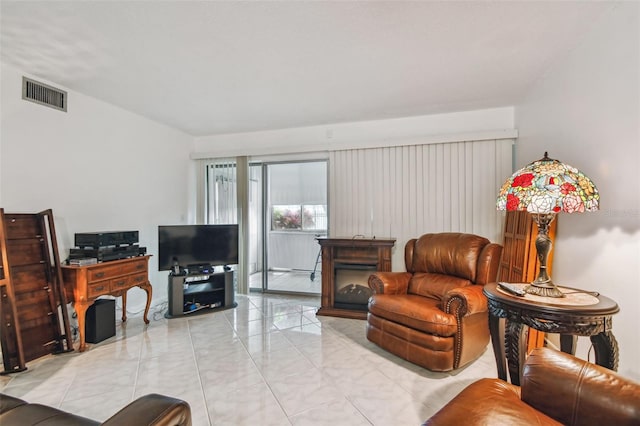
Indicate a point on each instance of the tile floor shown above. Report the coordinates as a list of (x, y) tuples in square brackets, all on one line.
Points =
[(269, 361), (296, 281)]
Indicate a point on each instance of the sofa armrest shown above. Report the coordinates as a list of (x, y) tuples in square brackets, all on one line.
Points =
[(489, 402), (389, 282), (465, 301), (8, 403), (574, 391), (153, 409)]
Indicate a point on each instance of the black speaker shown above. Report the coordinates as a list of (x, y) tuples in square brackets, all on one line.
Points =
[(100, 321)]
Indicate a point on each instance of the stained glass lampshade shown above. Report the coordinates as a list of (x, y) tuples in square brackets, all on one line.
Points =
[(545, 188)]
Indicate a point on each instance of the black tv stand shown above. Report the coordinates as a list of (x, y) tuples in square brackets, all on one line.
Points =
[(197, 293)]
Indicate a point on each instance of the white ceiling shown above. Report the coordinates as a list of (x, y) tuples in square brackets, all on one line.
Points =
[(226, 66)]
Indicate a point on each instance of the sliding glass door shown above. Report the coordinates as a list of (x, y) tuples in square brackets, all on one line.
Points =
[(288, 214), (287, 210)]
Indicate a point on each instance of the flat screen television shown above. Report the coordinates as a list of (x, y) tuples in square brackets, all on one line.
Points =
[(189, 245)]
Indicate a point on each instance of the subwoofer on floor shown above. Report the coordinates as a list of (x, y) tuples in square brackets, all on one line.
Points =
[(100, 322)]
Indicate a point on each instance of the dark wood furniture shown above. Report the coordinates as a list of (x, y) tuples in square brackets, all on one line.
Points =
[(519, 262), (593, 320), (84, 284), (33, 308), (343, 252), (200, 293)]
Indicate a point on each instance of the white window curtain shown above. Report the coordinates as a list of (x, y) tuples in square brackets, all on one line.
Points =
[(403, 192), (221, 199), (223, 182)]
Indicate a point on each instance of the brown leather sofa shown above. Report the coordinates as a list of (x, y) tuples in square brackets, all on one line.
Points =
[(435, 314), (557, 388), (152, 409)]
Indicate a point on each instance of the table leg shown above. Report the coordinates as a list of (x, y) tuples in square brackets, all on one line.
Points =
[(496, 328), (568, 343), (606, 349), (147, 288), (81, 312), (515, 348), (124, 305)]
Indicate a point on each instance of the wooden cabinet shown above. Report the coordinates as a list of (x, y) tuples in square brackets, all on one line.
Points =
[(519, 262), (84, 284), (350, 253), (33, 305)]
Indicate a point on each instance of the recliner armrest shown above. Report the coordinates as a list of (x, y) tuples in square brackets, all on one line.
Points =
[(389, 282), (466, 300), (574, 391), (153, 409)]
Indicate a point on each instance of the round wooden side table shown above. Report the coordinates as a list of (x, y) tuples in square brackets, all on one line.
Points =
[(584, 314)]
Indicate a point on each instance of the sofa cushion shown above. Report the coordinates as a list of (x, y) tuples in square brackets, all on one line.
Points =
[(449, 254), (417, 312), (575, 391), (434, 286)]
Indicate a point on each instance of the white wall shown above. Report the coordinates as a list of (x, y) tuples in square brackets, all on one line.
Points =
[(585, 112), (495, 123), (98, 167)]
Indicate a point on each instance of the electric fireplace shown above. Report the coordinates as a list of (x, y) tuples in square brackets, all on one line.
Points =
[(346, 265)]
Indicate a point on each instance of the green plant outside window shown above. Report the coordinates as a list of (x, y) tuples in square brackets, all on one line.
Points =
[(299, 217)]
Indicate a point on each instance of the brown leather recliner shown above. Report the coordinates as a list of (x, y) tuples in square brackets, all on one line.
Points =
[(557, 388), (151, 410), (435, 314)]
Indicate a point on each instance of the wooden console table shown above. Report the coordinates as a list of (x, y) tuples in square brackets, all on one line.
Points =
[(374, 252), (583, 318), (84, 284)]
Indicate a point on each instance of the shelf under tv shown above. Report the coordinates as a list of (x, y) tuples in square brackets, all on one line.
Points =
[(205, 293)]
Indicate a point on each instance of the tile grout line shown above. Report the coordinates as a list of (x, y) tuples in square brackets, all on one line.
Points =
[(266, 382), (135, 382), (195, 361)]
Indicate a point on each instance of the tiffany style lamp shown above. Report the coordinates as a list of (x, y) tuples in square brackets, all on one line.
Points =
[(545, 188)]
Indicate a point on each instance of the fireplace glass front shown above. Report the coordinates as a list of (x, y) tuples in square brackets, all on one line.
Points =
[(351, 288)]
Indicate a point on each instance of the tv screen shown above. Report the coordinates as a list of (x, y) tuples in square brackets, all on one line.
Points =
[(197, 245)]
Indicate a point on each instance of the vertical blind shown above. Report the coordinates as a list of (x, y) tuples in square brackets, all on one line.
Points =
[(403, 192), (226, 181), (221, 192)]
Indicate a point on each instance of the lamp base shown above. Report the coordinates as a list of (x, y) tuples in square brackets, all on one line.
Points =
[(543, 286), (545, 290)]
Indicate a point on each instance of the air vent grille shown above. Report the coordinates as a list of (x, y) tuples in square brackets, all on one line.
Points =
[(44, 95)]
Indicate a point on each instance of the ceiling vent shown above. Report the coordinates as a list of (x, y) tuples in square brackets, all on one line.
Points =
[(44, 95)]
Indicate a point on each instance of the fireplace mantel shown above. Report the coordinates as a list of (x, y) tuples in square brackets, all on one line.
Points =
[(350, 251)]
